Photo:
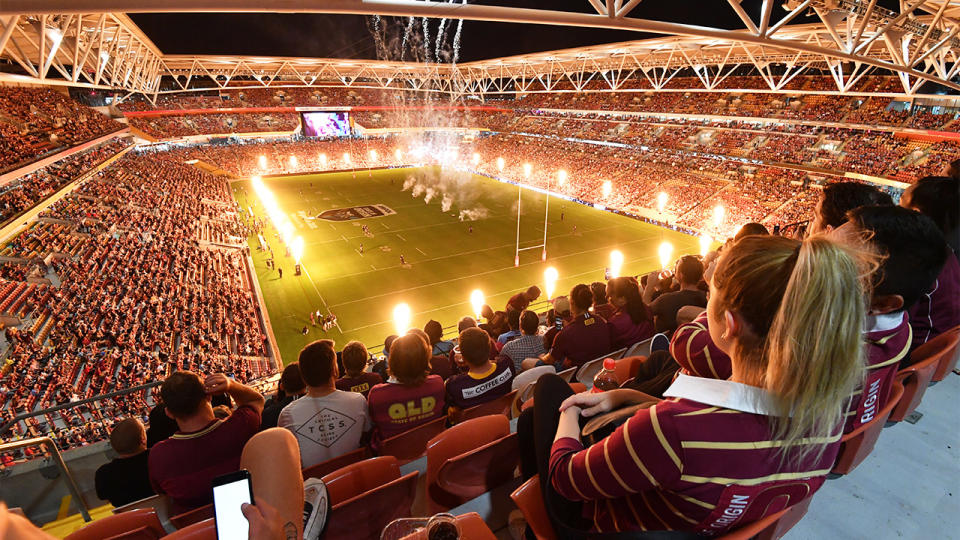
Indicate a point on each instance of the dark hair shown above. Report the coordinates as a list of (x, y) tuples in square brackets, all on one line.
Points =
[(387, 342), (475, 346), (599, 290), (939, 198), (182, 393), (627, 287), (434, 331), (840, 198), (513, 319), (354, 357), (691, 268), (466, 322), (529, 321), (126, 436), (533, 291), (913, 249), (318, 362), (582, 297), (751, 229), (409, 359), (291, 380)]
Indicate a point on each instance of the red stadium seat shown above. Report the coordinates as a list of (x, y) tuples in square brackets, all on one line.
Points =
[(322, 469), (204, 530), (193, 516), (469, 459), (411, 445), (628, 366), (529, 500), (358, 478), (501, 405), (946, 342), (138, 524), (857, 445), (915, 380), (365, 515)]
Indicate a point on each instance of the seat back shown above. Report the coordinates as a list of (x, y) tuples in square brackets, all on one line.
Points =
[(476, 472), (139, 523), (946, 342), (772, 527), (755, 507), (322, 469), (357, 478), (641, 348), (567, 374), (529, 499), (203, 530), (460, 439), (193, 516), (627, 367), (365, 515), (411, 444), (858, 444), (915, 380), (501, 405)]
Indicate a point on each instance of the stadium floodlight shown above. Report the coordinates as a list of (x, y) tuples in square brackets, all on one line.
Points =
[(476, 159), (293, 161), (718, 213), (705, 242), (616, 263), (346, 158), (666, 254), (607, 188), (398, 154), (476, 301), (401, 318), (323, 160), (661, 201), (263, 161), (527, 169), (561, 177), (501, 164), (550, 277)]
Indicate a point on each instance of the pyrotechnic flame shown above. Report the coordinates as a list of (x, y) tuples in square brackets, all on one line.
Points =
[(401, 318), (476, 301), (616, 263), (323, 160), (527, 169), (501, 164), (398, 154), (550, 277), (561, 177), (346, 158), (296, 248), (666, 254), (607, 188), (263, 161), (705, 242), (476, 159), (293, 161), (373, 155)]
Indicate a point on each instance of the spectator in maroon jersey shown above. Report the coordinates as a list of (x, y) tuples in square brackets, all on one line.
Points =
[(485, 380), (355, 361), (601, 304), (183, 465), (585, 338), (632, 321), (522, 300), (411, 396), (789, 394)]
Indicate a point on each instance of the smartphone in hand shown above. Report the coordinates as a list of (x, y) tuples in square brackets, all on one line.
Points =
[(229, 492)]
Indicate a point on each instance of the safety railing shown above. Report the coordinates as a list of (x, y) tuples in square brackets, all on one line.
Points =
[(61, 465)]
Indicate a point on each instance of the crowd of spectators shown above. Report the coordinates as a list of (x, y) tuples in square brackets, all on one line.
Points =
[(38, 121)]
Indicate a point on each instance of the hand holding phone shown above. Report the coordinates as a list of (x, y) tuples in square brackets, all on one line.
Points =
[(230, 492)]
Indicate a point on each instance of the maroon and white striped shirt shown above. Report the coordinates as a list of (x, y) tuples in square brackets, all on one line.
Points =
[(701, 460), (887, 339), (695, 352)]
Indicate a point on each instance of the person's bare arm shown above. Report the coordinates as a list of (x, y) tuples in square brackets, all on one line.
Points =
[(241, 393), (653, 279)]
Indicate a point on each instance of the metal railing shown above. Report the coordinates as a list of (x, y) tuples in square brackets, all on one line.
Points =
[(51, 447)]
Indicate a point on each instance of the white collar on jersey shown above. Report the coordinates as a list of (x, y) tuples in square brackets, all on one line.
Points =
[(725, 394), (883, 322)]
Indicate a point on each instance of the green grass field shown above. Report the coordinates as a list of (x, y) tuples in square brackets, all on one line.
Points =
[(445, 262)]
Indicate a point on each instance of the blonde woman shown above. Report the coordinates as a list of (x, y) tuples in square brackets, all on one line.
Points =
[(790, 316)]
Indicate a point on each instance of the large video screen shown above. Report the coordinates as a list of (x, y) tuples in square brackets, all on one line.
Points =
[(325, 124)]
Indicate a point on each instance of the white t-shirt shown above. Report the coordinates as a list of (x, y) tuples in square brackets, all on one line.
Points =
[(326, 427)]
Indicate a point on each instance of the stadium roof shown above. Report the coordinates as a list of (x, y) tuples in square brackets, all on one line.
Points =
[(93, 43)]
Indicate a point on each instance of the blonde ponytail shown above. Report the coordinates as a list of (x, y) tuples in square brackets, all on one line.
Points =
[(814, 348)]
